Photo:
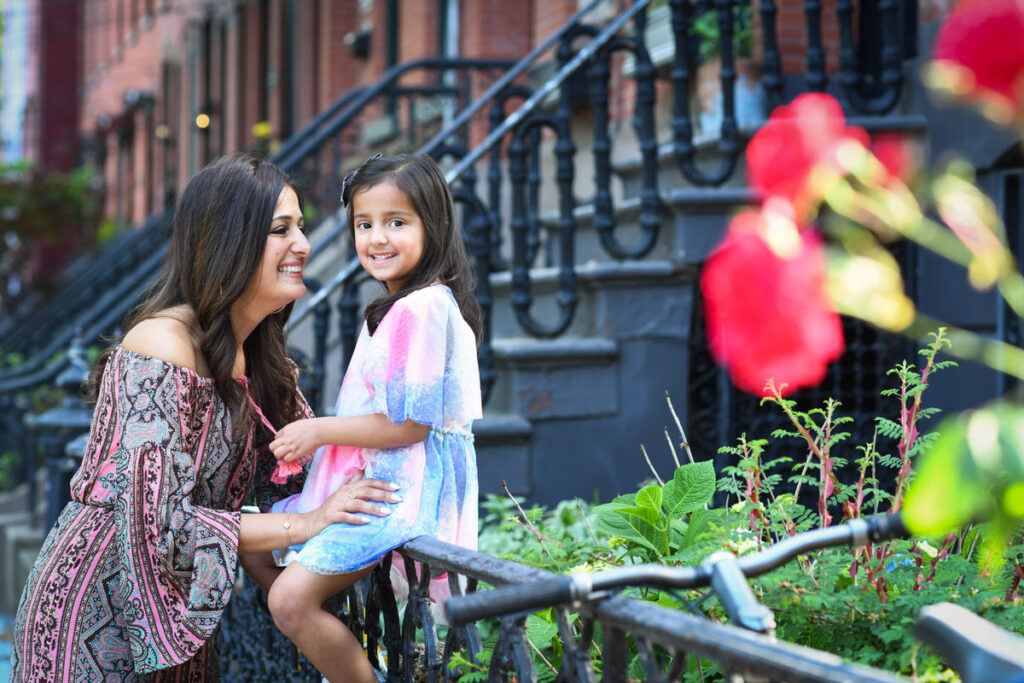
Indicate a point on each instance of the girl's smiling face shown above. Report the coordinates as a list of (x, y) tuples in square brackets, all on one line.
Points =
[(389, 234)]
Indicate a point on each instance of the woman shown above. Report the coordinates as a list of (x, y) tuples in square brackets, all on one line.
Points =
[(131, 582)]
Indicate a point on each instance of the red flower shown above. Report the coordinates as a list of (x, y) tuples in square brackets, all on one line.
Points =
[(767, 315), (980, 53), (896, 154), (794, 153)]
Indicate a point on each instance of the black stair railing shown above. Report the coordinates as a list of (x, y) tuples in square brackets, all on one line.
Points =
[(39, 336), (480, 232), (315, 156), (106, 290), (481, 220), (683, 12), (124, 260), (892, 54), (514, 157)]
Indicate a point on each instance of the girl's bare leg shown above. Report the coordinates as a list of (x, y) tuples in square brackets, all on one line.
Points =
[(296, 603), (261, 568)]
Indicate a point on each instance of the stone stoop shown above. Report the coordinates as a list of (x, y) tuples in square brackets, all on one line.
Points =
[(20, 542), (502, 444), (592, 396), (21, 537)]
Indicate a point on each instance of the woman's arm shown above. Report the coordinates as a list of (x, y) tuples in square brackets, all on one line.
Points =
[(360, 431), (270, 531)]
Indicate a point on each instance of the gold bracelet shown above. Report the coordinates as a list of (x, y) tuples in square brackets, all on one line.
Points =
[(288, 528)]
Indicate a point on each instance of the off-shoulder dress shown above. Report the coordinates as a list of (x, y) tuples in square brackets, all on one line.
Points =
[(131, 581)]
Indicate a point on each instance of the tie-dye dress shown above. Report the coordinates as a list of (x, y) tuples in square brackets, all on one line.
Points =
[(131, 581), (420, 364)]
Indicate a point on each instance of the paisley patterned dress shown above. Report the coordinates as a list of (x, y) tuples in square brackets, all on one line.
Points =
[(131, 581), (420, 364)]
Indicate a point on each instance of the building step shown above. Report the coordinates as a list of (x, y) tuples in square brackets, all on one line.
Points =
[(502, 444), (628, 167), (691, 222), (610, 296), (589, 420), (20, 540), (559, 378)]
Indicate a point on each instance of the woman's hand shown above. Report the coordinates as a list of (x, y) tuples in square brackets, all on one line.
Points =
[(351, 501), (296, 439)]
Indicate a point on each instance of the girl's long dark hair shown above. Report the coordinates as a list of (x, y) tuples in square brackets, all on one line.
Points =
[(444, 256), (221, 223)]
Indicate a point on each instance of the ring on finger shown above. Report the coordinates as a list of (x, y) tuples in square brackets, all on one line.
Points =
[(352, 494)]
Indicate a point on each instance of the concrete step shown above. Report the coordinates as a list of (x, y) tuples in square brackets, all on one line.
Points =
[(591, 404), (628, 166), (609, 295), (692, 221), (502, 444), (557, 378), (20, 540)]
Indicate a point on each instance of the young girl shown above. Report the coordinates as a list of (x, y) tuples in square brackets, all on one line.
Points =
[(404, 412)]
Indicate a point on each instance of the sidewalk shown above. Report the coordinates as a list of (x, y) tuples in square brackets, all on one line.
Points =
[(6, 631)]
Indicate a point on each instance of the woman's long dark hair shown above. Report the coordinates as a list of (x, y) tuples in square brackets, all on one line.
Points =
[(221, 223), (444, 256)]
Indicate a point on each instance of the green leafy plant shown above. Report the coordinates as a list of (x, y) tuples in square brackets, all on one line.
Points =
[(663, 522), (858, 604), (705, 28), (40, 208), (8, 462)]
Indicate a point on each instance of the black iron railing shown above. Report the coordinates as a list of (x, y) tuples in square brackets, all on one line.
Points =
[(514, 151), (413, 645)]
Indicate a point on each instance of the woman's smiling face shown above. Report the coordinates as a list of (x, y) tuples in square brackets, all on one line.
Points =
[(278, 280), (389, 234)]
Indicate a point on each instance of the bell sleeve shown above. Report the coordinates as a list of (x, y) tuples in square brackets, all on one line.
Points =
[(178, 559), (423, 363)]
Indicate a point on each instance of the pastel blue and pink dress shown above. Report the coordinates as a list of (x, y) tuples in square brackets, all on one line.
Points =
[(419, 364)]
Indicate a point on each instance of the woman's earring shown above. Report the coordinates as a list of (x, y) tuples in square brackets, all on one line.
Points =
[(279, 310)]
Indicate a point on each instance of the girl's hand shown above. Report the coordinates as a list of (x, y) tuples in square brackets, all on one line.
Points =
[(296, 439), (350, 501)]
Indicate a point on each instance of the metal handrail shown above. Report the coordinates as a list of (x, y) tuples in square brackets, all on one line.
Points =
[(524, 110), (505, 80), (293, 150), (365, 95), (740, 650), (549, 86)]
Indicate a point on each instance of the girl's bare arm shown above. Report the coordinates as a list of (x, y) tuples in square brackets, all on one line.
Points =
[(360, 431)]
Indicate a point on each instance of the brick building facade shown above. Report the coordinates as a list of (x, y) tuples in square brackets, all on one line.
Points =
[(167, 85)]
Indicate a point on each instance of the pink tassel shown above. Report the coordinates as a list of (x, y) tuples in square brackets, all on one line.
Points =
[(285, 469)]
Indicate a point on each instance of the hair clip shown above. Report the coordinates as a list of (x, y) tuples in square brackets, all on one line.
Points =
[(352, 174)]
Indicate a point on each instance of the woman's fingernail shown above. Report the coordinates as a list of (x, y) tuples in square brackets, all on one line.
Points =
[(396, 498), (384, 511), (393, 487)]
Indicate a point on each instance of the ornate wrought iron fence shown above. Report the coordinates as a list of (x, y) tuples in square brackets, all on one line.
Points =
[(514, 150), (411, 644)]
